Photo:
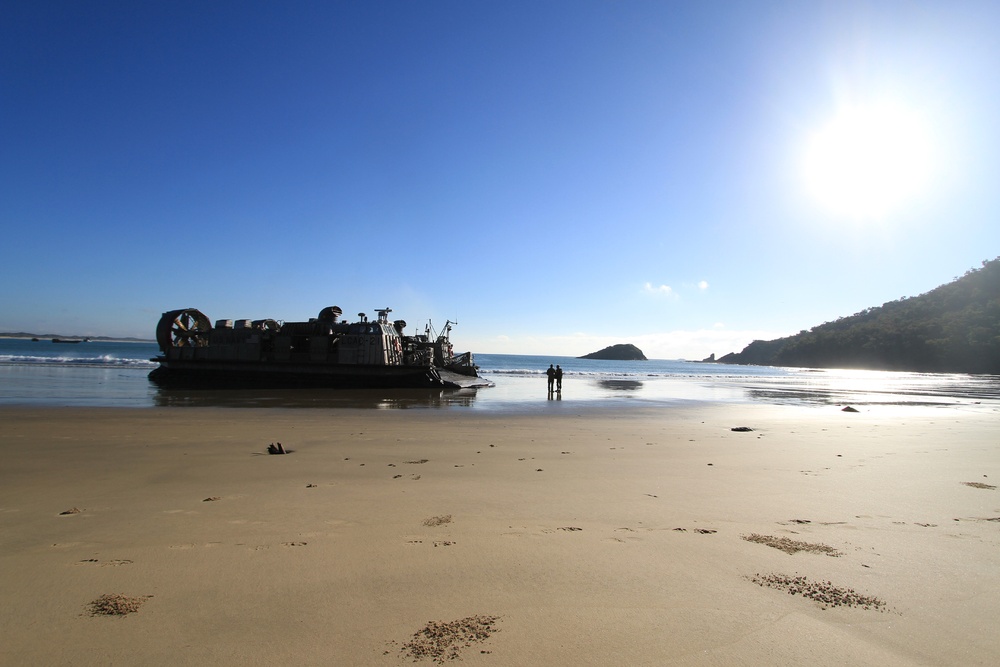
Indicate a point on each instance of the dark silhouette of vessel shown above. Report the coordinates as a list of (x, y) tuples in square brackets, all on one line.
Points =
[(324, 351)]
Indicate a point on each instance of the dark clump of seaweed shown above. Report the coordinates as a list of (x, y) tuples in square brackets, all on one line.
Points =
[(116, 604), (822, 592)]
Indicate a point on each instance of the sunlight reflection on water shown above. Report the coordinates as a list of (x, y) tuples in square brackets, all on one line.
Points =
[(124, 387)]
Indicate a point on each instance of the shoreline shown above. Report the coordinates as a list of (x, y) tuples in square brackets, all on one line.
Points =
[(604, 536)]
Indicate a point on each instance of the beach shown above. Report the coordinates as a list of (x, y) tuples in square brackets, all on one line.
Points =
[(641, 536)]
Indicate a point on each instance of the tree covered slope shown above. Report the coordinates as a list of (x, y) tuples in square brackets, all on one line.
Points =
[(953, 328)]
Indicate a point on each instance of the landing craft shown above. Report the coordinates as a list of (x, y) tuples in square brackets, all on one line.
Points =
[(321, 352)]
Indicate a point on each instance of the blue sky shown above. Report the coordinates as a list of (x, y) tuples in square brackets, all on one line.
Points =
[(555, 176)]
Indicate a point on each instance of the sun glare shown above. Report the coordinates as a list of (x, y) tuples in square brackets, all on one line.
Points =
[(868, 161)]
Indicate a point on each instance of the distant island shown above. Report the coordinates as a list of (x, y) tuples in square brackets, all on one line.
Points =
[(621, 352), (954, 328)]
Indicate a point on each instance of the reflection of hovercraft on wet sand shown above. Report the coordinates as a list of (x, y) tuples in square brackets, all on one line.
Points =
[(321, 352)]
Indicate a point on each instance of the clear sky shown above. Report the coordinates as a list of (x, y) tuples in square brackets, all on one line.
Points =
[(555, 176)]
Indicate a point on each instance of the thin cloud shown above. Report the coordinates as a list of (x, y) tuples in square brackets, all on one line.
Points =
[(662, 290)]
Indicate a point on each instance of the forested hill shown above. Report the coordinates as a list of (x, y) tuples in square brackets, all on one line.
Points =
[(954, 328)]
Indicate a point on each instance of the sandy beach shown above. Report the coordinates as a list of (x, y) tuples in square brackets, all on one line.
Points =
[(640, 537)]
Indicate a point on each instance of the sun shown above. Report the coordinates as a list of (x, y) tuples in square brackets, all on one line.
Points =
[(868, 161)]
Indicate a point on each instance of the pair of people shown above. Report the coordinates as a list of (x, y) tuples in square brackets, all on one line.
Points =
[(555, 377)]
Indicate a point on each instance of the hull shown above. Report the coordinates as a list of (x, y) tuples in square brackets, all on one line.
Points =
[(222, 375)]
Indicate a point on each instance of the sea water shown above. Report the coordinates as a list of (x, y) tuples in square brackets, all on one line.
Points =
[(114, 374)]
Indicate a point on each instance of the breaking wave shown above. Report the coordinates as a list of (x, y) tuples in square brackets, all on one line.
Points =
[(100, 361)]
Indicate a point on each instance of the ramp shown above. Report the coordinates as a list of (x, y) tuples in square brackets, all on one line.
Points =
[(454, 380)]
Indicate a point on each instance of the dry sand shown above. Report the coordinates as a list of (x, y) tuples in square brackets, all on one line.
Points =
[(600, 538)]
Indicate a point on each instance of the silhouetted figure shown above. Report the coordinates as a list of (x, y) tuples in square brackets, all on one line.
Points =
[(551, 372), (558, 378)]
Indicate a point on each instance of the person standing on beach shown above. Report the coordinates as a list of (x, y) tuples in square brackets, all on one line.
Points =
[(551, 372), (558, 378)]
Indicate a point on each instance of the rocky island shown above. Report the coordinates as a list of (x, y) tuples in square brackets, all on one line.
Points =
[(621, 352)]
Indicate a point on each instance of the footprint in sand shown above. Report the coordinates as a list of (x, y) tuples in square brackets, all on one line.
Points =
[(568, 529), (629, 535), (111, 563), (207, 545)]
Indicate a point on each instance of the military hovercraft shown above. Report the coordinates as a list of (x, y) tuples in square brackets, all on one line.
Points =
[(323, 351)]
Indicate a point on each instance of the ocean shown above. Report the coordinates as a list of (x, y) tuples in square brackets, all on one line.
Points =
[(114, 374)]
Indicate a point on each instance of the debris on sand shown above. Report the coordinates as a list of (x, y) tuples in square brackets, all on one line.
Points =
[(791, 546), (442, 641), (71, 510), (116, 604), (741, 429), (980, 485), (437, 520), (276, 449), (849, 409), (823, 592)]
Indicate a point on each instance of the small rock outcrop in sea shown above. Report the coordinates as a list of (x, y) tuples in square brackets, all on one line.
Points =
[(621, 352)]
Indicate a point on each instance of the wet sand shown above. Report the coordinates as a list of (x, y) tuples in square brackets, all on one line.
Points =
[(640, 537)]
